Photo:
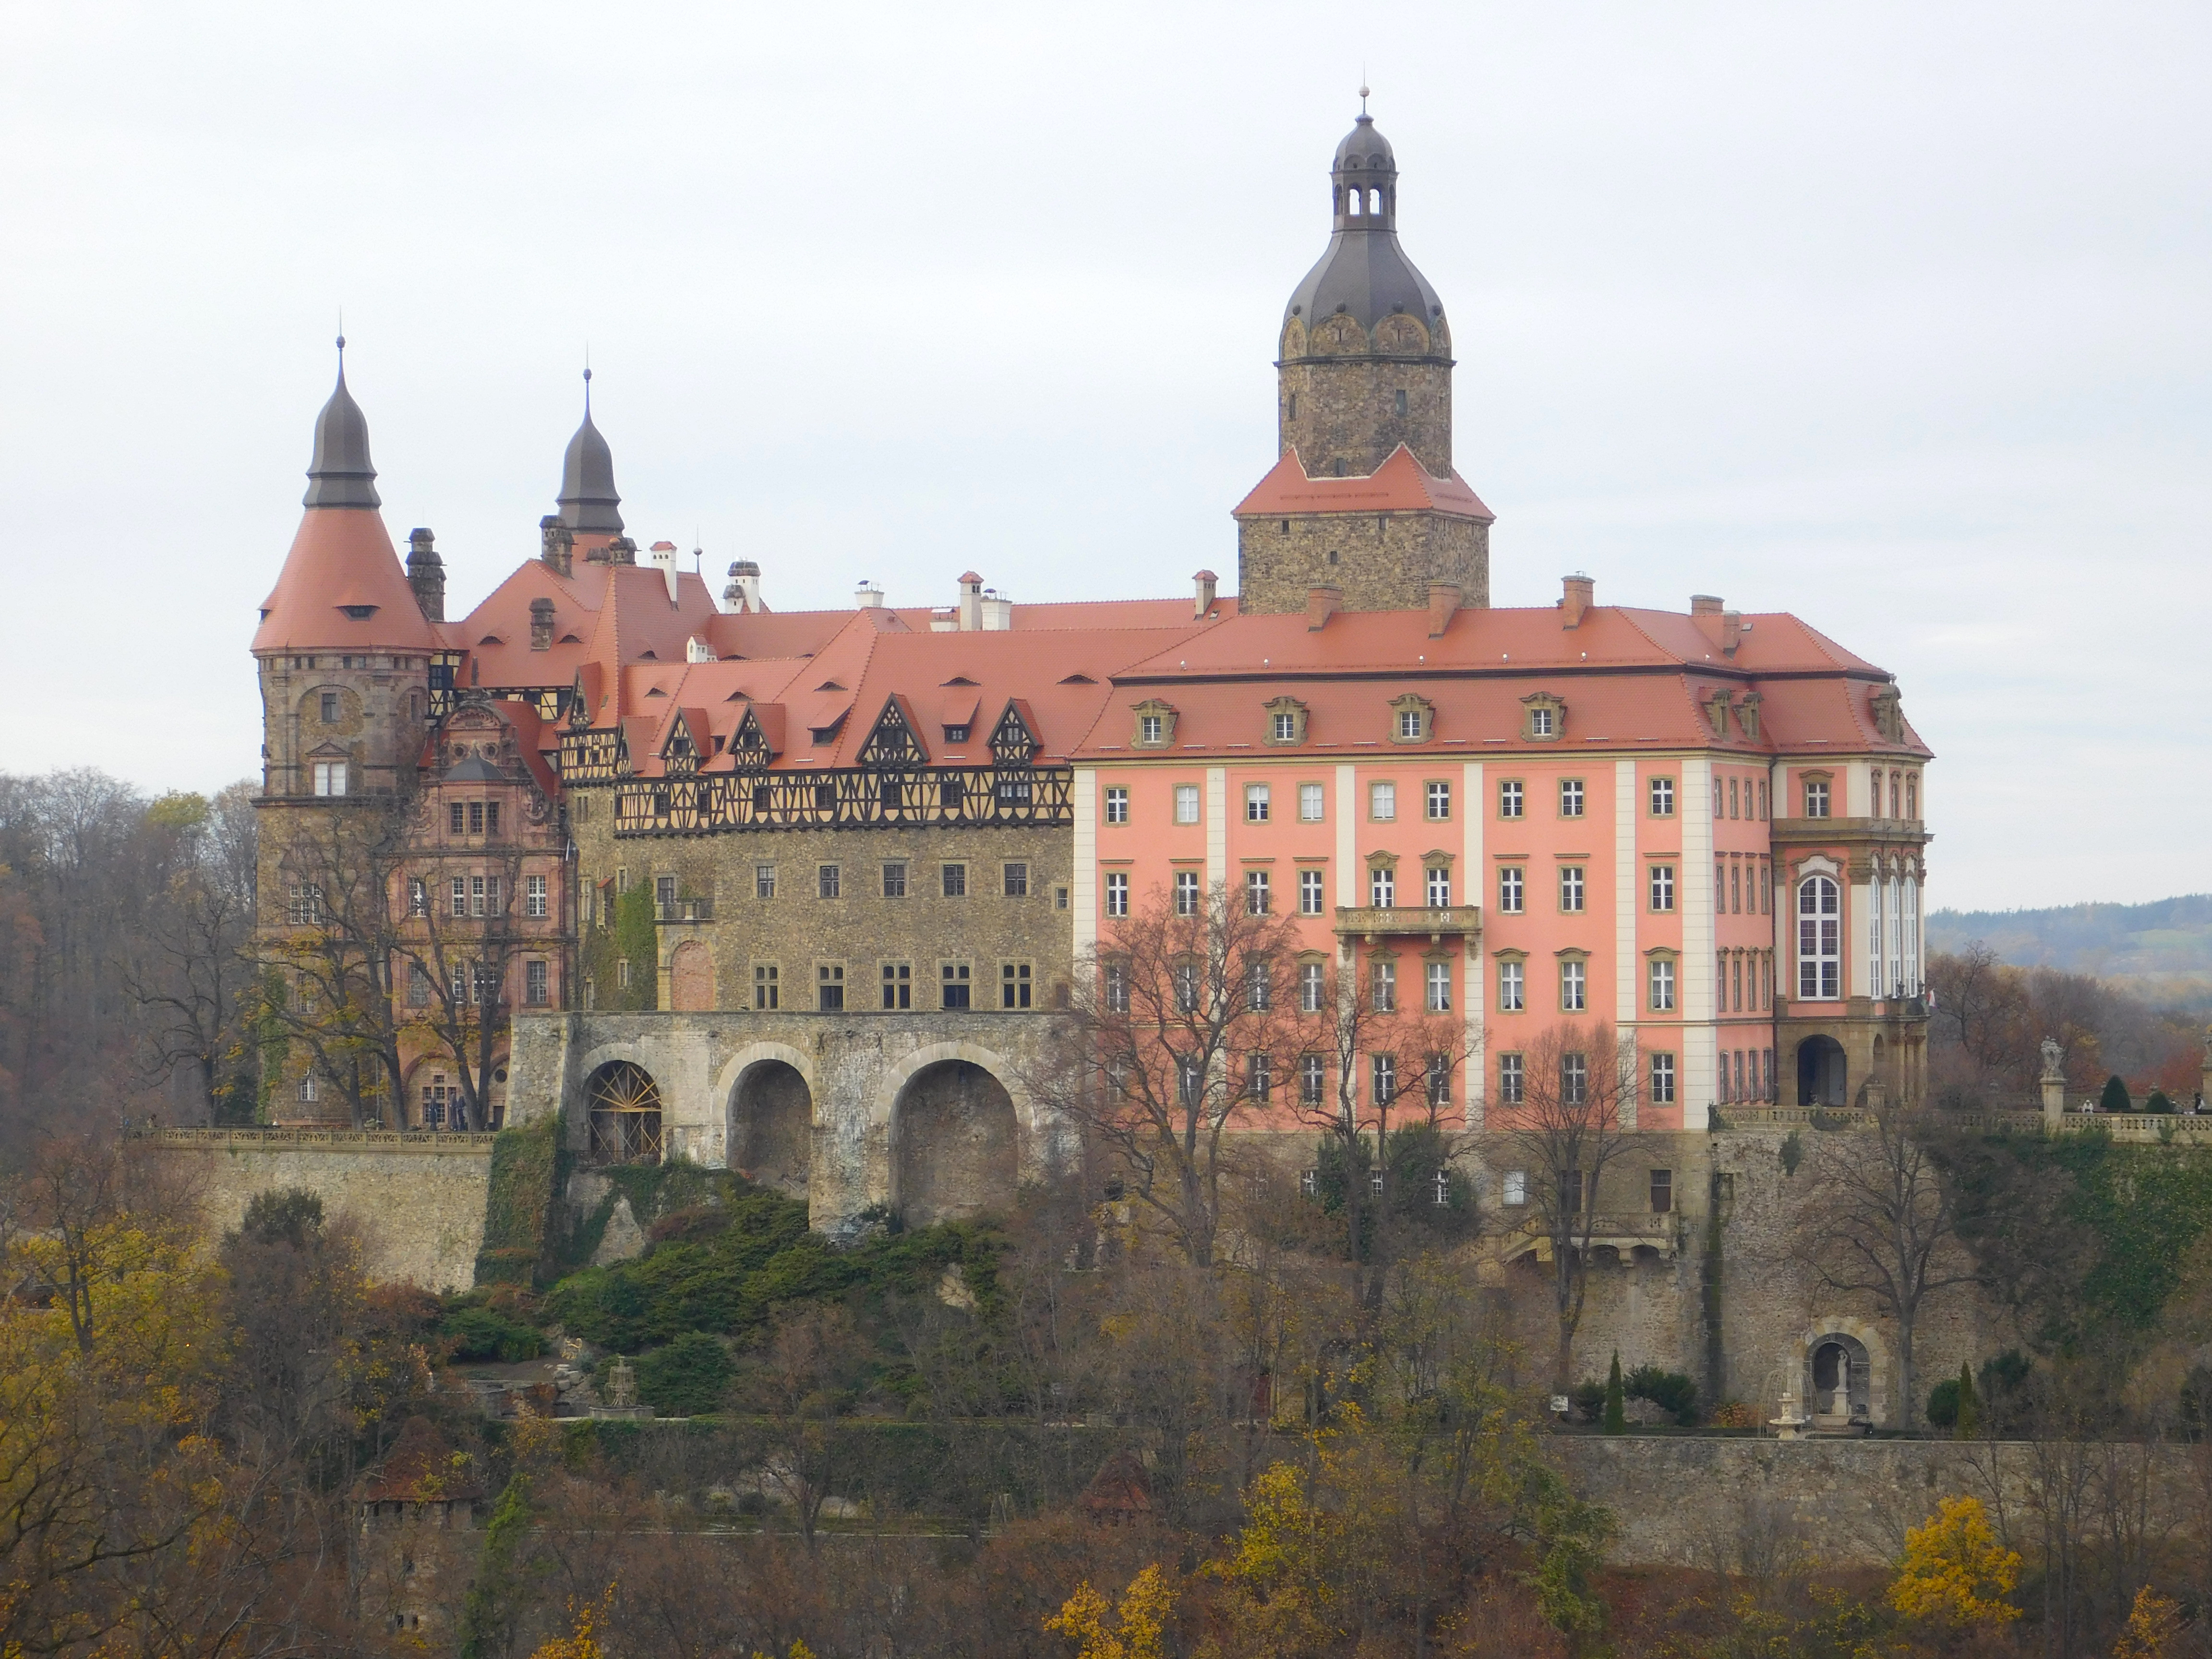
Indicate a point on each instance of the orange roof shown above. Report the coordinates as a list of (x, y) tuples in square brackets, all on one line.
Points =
[(342, 561), (1401, 484)]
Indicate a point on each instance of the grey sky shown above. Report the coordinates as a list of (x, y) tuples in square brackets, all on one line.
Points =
[(1894, 316)]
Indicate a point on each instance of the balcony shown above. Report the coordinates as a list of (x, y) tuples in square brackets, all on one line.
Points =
[(1409, 921), (686, 910)]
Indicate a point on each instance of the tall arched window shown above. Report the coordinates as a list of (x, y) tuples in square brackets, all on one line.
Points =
[(1877, 986), (1819, 939), (1912, 936), (1895, 933)]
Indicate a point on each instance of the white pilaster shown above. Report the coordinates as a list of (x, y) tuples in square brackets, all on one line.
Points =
[(1474, 889), (1624, 876), (1345, 806), (1694, 985), (1083, 890), (1216, 826)]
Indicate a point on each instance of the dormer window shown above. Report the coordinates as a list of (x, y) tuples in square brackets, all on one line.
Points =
[(1543, 717), (1409, 723), (1286, 721), (1152, 728), (956, 734), (359, 612), (1156, 724), (1286, 728), (1412, 720)]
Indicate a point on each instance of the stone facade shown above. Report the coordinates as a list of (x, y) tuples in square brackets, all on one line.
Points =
[(1337, 396), (1378, 561)]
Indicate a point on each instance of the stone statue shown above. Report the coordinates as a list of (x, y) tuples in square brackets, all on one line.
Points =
[(2051, 1053), (622, 1384)]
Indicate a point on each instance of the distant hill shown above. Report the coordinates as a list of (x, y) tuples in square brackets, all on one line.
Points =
[(2162, 950)]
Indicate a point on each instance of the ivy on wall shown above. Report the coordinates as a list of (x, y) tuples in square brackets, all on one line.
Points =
[(632, 937), (519, 1202)]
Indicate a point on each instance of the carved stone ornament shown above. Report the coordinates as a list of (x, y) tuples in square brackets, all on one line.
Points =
[(2052, 1053)]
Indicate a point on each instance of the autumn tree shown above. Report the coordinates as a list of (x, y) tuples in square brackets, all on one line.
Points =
[(1171, 1035)]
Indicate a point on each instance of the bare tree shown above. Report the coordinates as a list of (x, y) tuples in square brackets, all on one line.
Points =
[(1882, 1221), (455, 954), (1563, 1134), (1172, 1031)]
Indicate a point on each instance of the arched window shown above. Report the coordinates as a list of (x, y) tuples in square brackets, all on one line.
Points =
[(1374, 201), (1819, 939), (1357, 199), (1912, 936), (1879, 986), (625, 1114), (1895, 923)]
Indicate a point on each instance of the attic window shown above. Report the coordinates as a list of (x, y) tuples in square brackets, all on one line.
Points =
[(656, 692), (959, 679), (358, 612), (489, 639), (829, 685), (956, 734), (648, 656), (570, 639), (1079, 679)]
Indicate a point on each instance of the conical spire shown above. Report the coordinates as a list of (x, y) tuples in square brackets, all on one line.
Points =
[(588, 498), (341, 474)]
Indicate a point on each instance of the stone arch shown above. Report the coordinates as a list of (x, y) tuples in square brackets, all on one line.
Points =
[(692, 978), (1822, 1072), (771, 1124), (956, 1138), (624, 1106), (1849, 1354)]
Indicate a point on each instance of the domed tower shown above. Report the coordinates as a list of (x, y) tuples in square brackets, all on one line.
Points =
[(590, 508), (1364, 371)]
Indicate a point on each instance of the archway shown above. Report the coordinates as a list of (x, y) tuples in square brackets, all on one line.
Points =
[(692, 978), (625, 1113), (1820, 1069), (771, 1126), (1839, 1379), (956, 1143)]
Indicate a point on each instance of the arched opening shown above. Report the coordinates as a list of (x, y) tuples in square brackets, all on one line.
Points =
[(625, 1113), (1837, 1381), (1819, 939), (1358, 200), (771, 1127), (955, 1144), (692, 978), (1820, 1073), (1374, 201), (495, 1095)]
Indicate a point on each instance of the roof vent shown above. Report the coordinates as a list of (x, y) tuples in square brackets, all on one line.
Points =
[(696, 650)]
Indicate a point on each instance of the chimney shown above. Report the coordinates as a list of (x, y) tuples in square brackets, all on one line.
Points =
[(1321, 604), (1443, 599), (1205, 581), (971, 602), (997, 612), (620, 550), (541, 625), (945, 619), (696, 649), (426, 575), (868, 596), (743, 594), (1578, 594), (663, 557), (556, 544), (1707, 612)]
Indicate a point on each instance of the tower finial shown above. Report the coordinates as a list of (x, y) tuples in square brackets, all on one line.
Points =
[(1363, 89), (587, 382)]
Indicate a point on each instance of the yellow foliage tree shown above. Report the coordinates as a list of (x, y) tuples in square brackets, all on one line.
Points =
[(1141, 1621), (2152, 1627), (1953, 1570), (582, 1641)]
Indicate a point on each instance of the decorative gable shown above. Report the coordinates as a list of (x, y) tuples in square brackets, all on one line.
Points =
[(1543, 717), (893, 745), (1889, 714), (749, 750), (1412, 719), (1286, 721), (682, 750), (1013, 741), (1155, 725)]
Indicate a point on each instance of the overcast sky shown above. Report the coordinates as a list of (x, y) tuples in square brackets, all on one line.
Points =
[(1897, 317)]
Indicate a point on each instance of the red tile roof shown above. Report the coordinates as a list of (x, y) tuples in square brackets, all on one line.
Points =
[(1401, 484), (341, 556)]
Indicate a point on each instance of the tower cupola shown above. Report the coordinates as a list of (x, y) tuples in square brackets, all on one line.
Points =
[(1366, 179), (589, 504), (341, 474)]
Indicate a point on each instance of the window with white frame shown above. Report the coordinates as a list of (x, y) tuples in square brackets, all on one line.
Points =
[(1440, 988), (460, 895), (1313, 803), (1662, 887), (1513, 889), (1574, 1079), (535, 897), (1819, 939), (1285, 725), (1115, 984), (1514, 1192), (1572, 884), (1186, 892), (1117, 893), (1409, 724), (330, 777), (1512, 987), (1512, 799), (307, 1085), (1310, 987), (1259, 987), (1190, 1082), (536, 984), (1259, 1076), (1512, 1079), (1313, 1080), (1382, 985), (1382, 887), (1385, 1080), (1438, 797), (1662, 1080), (1382, 802), (1439, 886), (1571, 798), (1186, 803), (1574, 985), (1258, 897), (1661, 973), (1117, 804), (418, 896), (1539, 722), (1152, 728), (1816, 799), (1310, 892), (1663, 797), (1257, 803)]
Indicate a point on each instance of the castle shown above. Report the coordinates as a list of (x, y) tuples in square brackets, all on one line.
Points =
[(794, 891)]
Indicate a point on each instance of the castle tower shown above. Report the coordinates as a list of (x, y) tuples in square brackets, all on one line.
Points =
[(591, 508), (1363, 499)]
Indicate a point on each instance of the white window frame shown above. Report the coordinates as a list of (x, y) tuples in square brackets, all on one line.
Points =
[(1439, 982), (1186, 892), (1259, 893), (1186, 803), (1258, 803), (1382, 801), (1820, 906), (1512, 890), (1436, 795), (1117, 804), (1574, 986), (1659, 979), (1117, 893), (1437, 882), (1311, 892), (1313, 803), (1512, 987)]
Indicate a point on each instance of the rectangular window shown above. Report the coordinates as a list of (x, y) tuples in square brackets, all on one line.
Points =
[(1716, 798), (535, 902), (1735, 887), (898, 985), (1384, 1069), (1439, 981), (1571, 798), (1662, 1080), (1515, 1194), (1662, 974), (1117, 894), (457, 817), (460, 906), (1439, 802), (1014, 979), (1409, 724), (1512, 1079), (1382, 986), (1257, 803), (827, 881), (1117, 804), (1310, 890), (955, 985), (476, 818), (308, 1086), (329, 708), (1574, 986), (829, 987), (1662, 887), (491, 817), (1186, 803), (1574, 1079), (1539, 722), (1382, 887), (664, 895), (1439, 887), (1816, 800), (1186, 892), (1440, 1070), (1762, 798), (1014, 881), (1152, 728), (476, 896), (1310, 987), (1912, 795), (1259, 988), (764, 881), (330, 777), (1513, 889), (418, 896), (1190, 1082), (1285, 726), (765, 990), (1765, 887), (418, 987), (1570, 887), (1382, 802), (456, 979), (952, 881), (1313, 1080), (1117, 987), (1732, 802), (895, 879), (1259, 1076), (1512, 799), (1736, 974), (1312, 802), (534, 983), (1257, 897), (1663, 797), (1512, 987)]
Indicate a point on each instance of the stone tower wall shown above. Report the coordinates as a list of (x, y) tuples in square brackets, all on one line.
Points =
[(1382, 561), (1347, 423)]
